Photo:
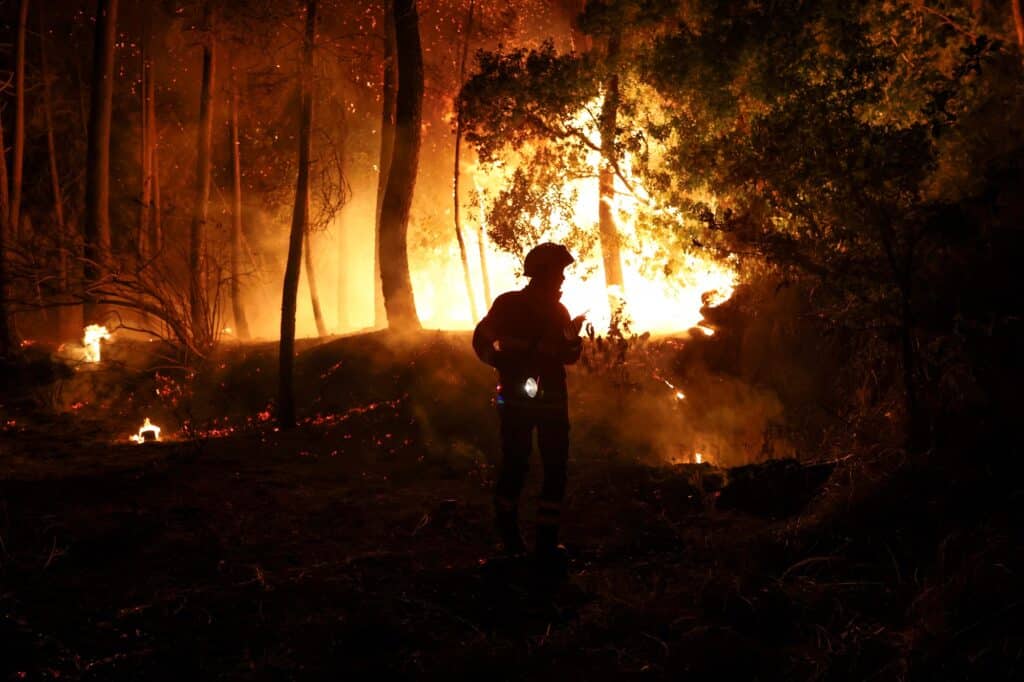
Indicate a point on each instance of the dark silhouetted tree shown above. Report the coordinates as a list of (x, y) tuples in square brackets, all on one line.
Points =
[(394, 223), (300, 221), (198, 296), (97, 169)]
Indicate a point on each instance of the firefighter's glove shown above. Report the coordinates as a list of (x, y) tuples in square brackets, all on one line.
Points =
[(572, 330)]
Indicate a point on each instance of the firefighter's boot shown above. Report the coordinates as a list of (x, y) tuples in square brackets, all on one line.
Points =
[(506, 521)]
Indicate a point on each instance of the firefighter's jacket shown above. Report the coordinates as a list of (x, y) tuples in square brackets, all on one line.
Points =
[(523, 337)]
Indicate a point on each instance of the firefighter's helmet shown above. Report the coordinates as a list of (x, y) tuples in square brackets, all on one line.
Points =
[(546, 257)]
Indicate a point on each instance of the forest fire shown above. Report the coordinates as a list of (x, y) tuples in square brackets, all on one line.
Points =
[(663, 286), (148, 432), (653, 300), (774, 438), (94, 334)]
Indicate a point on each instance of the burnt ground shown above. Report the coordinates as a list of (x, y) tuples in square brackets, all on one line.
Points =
[(360, 543)]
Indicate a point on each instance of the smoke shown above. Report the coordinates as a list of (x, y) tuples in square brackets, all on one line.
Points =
[(628, 410)]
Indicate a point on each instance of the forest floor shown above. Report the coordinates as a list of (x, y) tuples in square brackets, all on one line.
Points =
[(361, 543)]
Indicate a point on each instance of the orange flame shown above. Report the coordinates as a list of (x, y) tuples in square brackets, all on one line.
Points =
[(93, 334), (664, 287), (147, 427)]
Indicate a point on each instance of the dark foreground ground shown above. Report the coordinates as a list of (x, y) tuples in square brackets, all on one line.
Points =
[(357, 543)]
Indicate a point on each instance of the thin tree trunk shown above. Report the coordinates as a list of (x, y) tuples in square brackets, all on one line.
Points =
[(154, 228), (97, 182), (1018, 23), (157, 236), (5, 325), (457, 171), (609, 233), (200, 212), (300, 217), (387, 149), (58, 196), (394, 221), (19, 117), (481, 244), (5, 198), (342, 304), (237, 306), (314, 295), (83, 108), (146, 153)]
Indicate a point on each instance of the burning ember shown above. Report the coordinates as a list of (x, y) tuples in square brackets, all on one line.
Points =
[(94, 333), (678, 394), (147, 432)]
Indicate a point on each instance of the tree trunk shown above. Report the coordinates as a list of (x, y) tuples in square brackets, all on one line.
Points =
[(97, 171), (237, 306), (58, 196), (5, 324), (387, 148), (156, 239), (314, 295), (609, 233), (481, 244), (146, 153), (300, 217), (19, 117), (342, 304), (5, 198), (457, 171), (197, 235), (394, 220)]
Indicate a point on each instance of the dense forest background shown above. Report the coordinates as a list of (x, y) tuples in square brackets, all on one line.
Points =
[(865, 155), (798, 230)]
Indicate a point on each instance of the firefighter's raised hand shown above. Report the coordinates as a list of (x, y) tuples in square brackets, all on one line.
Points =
[(572, 330)]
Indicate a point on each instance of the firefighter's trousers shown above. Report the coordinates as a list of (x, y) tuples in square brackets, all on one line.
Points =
[(517, 427)]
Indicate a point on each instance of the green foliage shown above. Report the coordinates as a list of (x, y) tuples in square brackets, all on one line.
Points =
[(532, 203), (842, 145), (619, 354), (518, 97)]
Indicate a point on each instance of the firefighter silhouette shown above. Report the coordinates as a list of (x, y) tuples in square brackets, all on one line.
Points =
[(529, 338)]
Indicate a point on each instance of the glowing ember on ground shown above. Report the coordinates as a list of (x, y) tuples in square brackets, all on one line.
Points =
[(94, 333), (148, 431), (708, 331)]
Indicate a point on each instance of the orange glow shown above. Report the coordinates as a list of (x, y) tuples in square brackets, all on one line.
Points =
[(147, 427), (664, 286), (94, 333)]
